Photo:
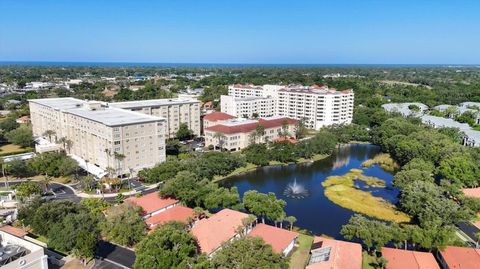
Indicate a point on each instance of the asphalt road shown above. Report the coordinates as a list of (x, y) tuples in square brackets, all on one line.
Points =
[(469, 229), (111, 255)]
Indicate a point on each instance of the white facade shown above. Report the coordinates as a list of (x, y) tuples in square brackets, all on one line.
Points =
[(34, 259), (317, 106), (247, 107), (98, 132), (175, 110)]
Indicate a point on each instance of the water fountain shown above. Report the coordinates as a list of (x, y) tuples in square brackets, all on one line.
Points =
[(295, 190)]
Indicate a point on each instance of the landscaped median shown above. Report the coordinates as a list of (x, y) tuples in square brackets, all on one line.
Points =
[(341, 190)]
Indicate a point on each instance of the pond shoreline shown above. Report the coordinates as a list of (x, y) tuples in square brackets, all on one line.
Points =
[(251, 167)]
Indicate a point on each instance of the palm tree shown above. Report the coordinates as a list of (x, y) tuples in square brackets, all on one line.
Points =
[(291, 220), (3, 164), (259, 132), (110, 170), (63, 140), (68, 145), (108, 152), (49, 134), (46, 181), (220, 137), (119, 157)]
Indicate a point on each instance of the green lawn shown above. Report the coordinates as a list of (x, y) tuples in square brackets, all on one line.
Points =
[(299, 258), (11, 149), (367, 259)]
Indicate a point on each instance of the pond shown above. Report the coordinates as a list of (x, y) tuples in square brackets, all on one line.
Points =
[(315, 212)]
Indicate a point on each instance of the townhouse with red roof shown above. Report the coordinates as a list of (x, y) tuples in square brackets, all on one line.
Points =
[(281, 240), (400, 259), (152, 203), (328, 253)]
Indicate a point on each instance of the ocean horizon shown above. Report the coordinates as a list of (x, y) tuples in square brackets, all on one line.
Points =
[(158, 64)]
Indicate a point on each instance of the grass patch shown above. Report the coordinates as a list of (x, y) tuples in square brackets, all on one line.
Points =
[(249, 167), (12, 149), (384, 160), (341, 191), (368, 260), (301, 253)]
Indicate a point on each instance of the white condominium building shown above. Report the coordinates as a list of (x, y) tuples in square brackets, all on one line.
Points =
[(100, 133), (316, 106), (247, 107), (176, 111)]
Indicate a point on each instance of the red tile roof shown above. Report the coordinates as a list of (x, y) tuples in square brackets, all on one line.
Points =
[(400, 259), (278, 238), (286, 139), (249, 127), (13, 231), (177, 213), (219, 228), (216, 116), (343, 255), (472, 192), (151, 202), (460, 257)]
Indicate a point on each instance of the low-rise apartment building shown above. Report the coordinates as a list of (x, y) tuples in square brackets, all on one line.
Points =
[(175, 111), (316, 106), (236, 134), (101, 135)]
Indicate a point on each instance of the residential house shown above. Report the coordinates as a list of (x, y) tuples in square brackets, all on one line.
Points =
[(281, 240), (152, 204), (221, 227), (334, 254), (459, 258), (401, 259)]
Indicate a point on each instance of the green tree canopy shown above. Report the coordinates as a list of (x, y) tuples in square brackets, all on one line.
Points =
[(124, 225), (167, 247), (248, 252)]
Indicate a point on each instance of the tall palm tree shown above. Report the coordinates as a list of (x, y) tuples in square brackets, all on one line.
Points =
[(119, 157), (110, 170), (3, 164), (49, 134), (291, 220), (108, 152), (220, 137), (63, 141), (68, 145)]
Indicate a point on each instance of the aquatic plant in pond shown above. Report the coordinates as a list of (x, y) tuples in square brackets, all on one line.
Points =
[(342, 191), (295, 190)]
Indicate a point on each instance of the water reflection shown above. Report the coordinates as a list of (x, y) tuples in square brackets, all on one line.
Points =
[(314, 211)]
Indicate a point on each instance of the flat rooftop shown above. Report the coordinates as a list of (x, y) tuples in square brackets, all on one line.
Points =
[(153, 103), (107, 115)]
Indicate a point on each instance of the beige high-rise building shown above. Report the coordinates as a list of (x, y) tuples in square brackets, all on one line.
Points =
[(100, 133), (175, 110)]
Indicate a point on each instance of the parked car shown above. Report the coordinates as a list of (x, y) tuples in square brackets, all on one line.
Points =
[(48, 196)]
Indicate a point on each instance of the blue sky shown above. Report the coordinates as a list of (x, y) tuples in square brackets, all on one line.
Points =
[(242, 31)]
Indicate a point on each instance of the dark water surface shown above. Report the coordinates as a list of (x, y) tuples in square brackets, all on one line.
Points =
[(315, 212)]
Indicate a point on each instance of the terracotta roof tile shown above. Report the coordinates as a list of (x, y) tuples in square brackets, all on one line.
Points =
[(219, 228), (400, 259), (343, 255), (249, 126), (278, 238), (460, 257), (177, 213), (151, 202), (216, 116), (13, 230), (472, 192)]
